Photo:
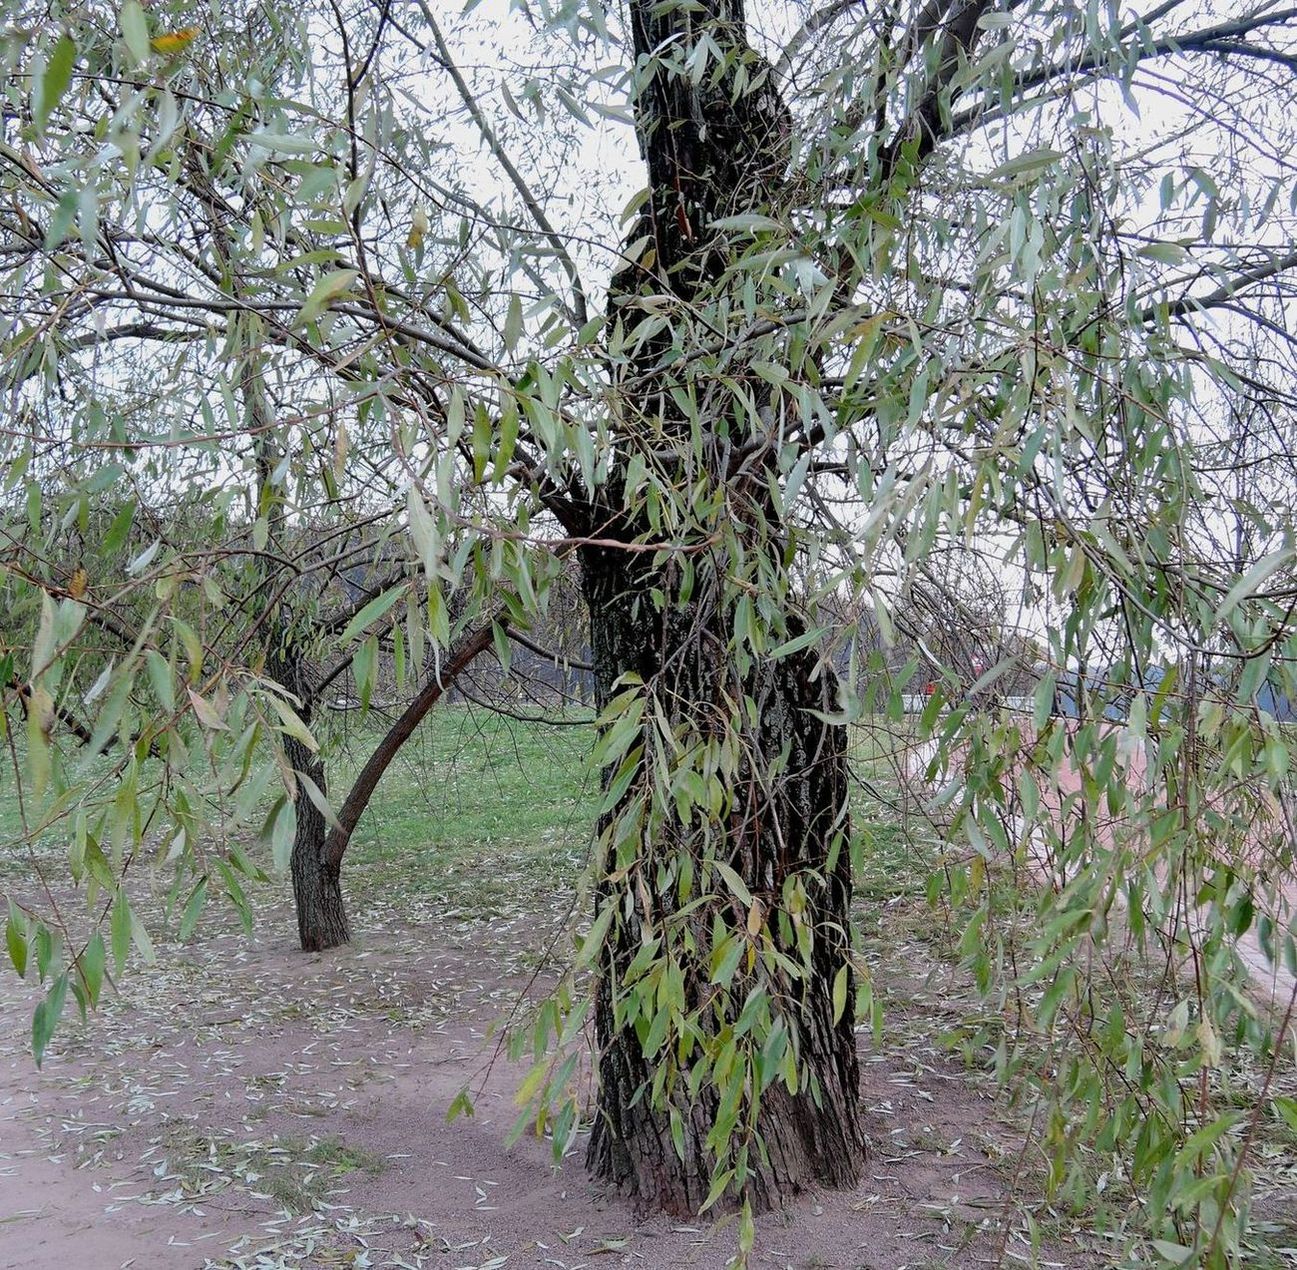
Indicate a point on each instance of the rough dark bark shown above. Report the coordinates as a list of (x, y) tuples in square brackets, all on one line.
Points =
[(708, 154), (794, 824), (712, 152), (317, 883)]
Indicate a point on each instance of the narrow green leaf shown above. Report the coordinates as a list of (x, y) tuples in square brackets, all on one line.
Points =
[(189, 919), (292, 724), (735, 883), (796, 644), (285, 142), (325, 291), (46, 1016), (1164, 253), (54, 83), (16, 939), (839, 993), (140, 938), (371, 613), (593, 942), (318, 800), (118, 532), (282, 832), (1251, 581), (135, 30), (513, 323), (120, 930), (1032, 161), (91, 963), (1287, 1109)]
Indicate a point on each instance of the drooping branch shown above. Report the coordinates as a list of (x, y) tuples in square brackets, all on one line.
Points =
[(809, 29), (70, 721), (547, 653), (333, 624), (579, 306)]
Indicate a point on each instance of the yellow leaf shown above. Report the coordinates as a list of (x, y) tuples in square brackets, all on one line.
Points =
[(77, 583), (1210, 1042), (174, 41), (341, 445), (418, 228)]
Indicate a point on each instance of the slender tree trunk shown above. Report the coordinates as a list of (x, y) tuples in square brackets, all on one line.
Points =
[(317, 880), (316, 862), (317, 886), (317, 883), (712, 150), (470, 646)]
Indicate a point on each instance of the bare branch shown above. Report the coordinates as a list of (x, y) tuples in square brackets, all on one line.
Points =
[(579, 305)]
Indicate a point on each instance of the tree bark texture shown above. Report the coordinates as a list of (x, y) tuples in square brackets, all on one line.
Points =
[(317, 880), (787, 821), (715, 146)]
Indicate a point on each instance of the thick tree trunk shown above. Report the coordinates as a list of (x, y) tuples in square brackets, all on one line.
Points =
[(672, 1121), (787, 825)]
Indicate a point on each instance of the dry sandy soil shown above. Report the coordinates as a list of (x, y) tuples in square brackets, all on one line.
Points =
[(243, 1104)]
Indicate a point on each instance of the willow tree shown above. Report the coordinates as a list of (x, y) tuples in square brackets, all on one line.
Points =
[(726, 831), (1010, 279)]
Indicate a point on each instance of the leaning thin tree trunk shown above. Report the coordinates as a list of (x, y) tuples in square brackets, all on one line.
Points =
[(670, 1119), (362, 790), (316, 863)]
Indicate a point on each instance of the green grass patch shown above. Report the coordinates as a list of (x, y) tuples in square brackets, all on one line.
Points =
[(478, 809), (469, 778)]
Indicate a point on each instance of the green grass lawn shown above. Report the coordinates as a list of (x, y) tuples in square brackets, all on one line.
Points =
[(478, 809), (478, 805), (472, 781), (469, 778)]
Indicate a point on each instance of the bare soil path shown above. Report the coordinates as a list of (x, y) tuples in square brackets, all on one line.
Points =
[(243, 1104)]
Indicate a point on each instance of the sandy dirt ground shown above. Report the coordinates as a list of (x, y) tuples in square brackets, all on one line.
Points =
[(243, 1104)]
